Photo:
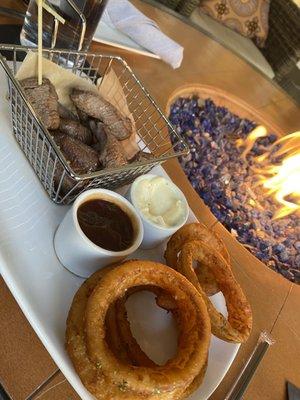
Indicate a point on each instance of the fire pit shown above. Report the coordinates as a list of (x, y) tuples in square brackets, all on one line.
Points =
[(247, 176)]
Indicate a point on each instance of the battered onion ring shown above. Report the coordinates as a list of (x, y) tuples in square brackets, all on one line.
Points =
[(196, 382), (90, 374), (207, 280), (237, 327), (114, 339), (194, 329), (197, 231), (137, 356), (120, 330), (133, 350)]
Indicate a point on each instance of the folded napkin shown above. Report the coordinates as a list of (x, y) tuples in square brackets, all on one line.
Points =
[(122, 15)]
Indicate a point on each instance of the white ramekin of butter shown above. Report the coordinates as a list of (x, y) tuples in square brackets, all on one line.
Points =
[(161, 206)]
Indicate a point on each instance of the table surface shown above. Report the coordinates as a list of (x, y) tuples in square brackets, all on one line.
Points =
[(26, 369)]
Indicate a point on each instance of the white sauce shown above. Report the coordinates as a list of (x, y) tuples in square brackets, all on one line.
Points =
[(160, 201)]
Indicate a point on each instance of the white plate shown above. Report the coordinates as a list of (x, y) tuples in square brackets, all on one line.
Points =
[(113, 37), (44, 289)]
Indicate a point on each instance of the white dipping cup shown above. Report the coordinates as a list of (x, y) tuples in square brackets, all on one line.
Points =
[(155, 234), (77, 252)]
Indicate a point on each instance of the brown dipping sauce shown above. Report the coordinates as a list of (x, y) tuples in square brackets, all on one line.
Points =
[(105, 224)]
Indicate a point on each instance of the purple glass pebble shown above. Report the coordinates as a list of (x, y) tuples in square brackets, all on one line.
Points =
[(227, 184)]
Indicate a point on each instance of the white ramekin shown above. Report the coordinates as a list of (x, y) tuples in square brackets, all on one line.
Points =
[(154, 234), (77, 252)]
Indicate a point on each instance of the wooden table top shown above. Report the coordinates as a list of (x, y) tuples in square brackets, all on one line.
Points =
[(26, 367)]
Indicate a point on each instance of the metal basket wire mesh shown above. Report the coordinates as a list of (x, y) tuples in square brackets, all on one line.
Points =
[(54, 172)]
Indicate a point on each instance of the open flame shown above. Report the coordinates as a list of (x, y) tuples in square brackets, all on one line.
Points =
[(281, 179), (258, 132)]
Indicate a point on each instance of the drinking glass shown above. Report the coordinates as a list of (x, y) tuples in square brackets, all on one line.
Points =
[(68, 34)]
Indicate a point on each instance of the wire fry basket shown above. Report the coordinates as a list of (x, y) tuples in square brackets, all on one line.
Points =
[(61, 183)]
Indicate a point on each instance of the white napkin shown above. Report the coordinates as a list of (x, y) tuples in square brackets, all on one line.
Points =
[(122, 15)]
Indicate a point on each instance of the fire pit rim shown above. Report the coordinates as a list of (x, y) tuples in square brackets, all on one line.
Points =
[(244, 110), (219, 96)]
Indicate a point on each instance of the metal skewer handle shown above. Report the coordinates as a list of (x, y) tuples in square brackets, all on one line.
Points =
[(247, 373)]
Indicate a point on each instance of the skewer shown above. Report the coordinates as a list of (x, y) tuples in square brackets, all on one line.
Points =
[(51, 11), (57, 19)]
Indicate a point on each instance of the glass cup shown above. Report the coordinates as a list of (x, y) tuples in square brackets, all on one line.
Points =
[(69, 33)]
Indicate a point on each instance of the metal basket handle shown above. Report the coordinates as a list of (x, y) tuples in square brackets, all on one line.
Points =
[(83, 26)]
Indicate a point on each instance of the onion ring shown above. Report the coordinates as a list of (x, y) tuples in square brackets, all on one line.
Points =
[(135, 353), (194, 329), (137, 356), (90, 374), (196, 382), (237, 327), (114, 339), (196, 231), (207, 280), (75, 338)]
